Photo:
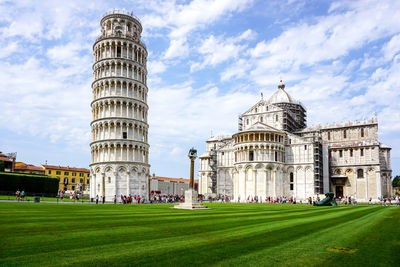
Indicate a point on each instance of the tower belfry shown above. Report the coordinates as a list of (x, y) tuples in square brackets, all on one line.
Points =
[(119, 125)]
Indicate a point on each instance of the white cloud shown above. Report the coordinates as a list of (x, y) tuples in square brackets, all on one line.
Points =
[(178, 48), (155, 67), (8, 49), (181, 19), (218, 49)]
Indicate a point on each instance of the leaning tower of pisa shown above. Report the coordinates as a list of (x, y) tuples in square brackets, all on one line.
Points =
[(119, 146)]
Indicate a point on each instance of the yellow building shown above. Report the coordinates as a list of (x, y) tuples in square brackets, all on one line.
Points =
[(71, 179)]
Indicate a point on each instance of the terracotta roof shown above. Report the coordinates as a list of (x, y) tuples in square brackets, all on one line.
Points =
[(63, 168), (29, 167), (168, 179), (4, 157)]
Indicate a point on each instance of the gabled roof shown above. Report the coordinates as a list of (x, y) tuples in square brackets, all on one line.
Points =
[(259, 103), (259, 126)]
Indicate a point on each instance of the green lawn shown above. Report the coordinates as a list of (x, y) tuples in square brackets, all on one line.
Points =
[(228, 234), (30, 198)]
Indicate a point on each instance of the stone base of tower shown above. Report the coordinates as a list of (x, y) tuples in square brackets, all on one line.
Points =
[(191, 202), (112, 180)]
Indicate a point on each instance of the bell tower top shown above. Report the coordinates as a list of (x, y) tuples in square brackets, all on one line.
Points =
[(121, 23)]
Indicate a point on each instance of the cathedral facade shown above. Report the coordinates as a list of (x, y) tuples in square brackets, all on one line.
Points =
[(274, 154)]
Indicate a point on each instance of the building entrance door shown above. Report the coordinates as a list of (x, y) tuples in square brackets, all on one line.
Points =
[(339, 191)]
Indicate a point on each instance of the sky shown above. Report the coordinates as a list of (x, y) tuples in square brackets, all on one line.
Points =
[(208, 61)]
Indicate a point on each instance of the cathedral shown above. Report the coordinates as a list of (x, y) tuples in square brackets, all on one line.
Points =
[(275, 154)]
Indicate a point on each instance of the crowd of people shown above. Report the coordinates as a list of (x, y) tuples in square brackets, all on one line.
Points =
[(163, 198), (73, 195), (171, 198), (20, 195), (137, 199)]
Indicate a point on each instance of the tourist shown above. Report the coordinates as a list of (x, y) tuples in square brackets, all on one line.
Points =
[(370, 201), (115, 199), (104, 199), (77, 196), (97, 199), (70, 196), (22, 194), (62, 195)]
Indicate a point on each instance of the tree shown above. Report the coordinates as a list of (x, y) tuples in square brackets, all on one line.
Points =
[(396, 181)]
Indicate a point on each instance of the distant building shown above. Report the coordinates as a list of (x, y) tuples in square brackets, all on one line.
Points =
[(21, 167), (71, 179), (7, 162), (167, 185), (274, 154)]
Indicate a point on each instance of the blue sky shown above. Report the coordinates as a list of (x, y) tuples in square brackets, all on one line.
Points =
[(208, 62)]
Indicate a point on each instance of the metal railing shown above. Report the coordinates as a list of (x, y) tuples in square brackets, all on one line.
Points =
[(121, 11)]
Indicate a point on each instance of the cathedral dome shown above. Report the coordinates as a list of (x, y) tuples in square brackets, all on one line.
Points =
[(281, 96)]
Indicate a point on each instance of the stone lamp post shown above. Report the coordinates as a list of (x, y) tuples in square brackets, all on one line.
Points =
[(191, 197)]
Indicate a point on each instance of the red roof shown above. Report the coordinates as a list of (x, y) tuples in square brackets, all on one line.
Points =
[(168, 179), (29, 167), (63, 168), (4, 157)]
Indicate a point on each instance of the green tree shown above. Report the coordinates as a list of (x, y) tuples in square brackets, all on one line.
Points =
[(396, 181)]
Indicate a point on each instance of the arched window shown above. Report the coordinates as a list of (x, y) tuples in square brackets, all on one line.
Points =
[(291, 180), (261, 119), (109, 180), (276, 118), (251, 155), (360, 173), (362, 132)]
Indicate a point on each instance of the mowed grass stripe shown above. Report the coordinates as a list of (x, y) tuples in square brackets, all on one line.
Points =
[(311, 250), (174, 243), (161, 230), (44, 239)]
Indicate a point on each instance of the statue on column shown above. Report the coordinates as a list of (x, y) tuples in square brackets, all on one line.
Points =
[(191, 196)]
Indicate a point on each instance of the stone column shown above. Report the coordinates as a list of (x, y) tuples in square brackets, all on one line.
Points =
[(128, 190), (254, 173), (378, 183)]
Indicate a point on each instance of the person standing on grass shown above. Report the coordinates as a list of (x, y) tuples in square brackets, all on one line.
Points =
[(23, 194), (70, 195), (97, 199), (77, 196), (17, 195), (370, 201)]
